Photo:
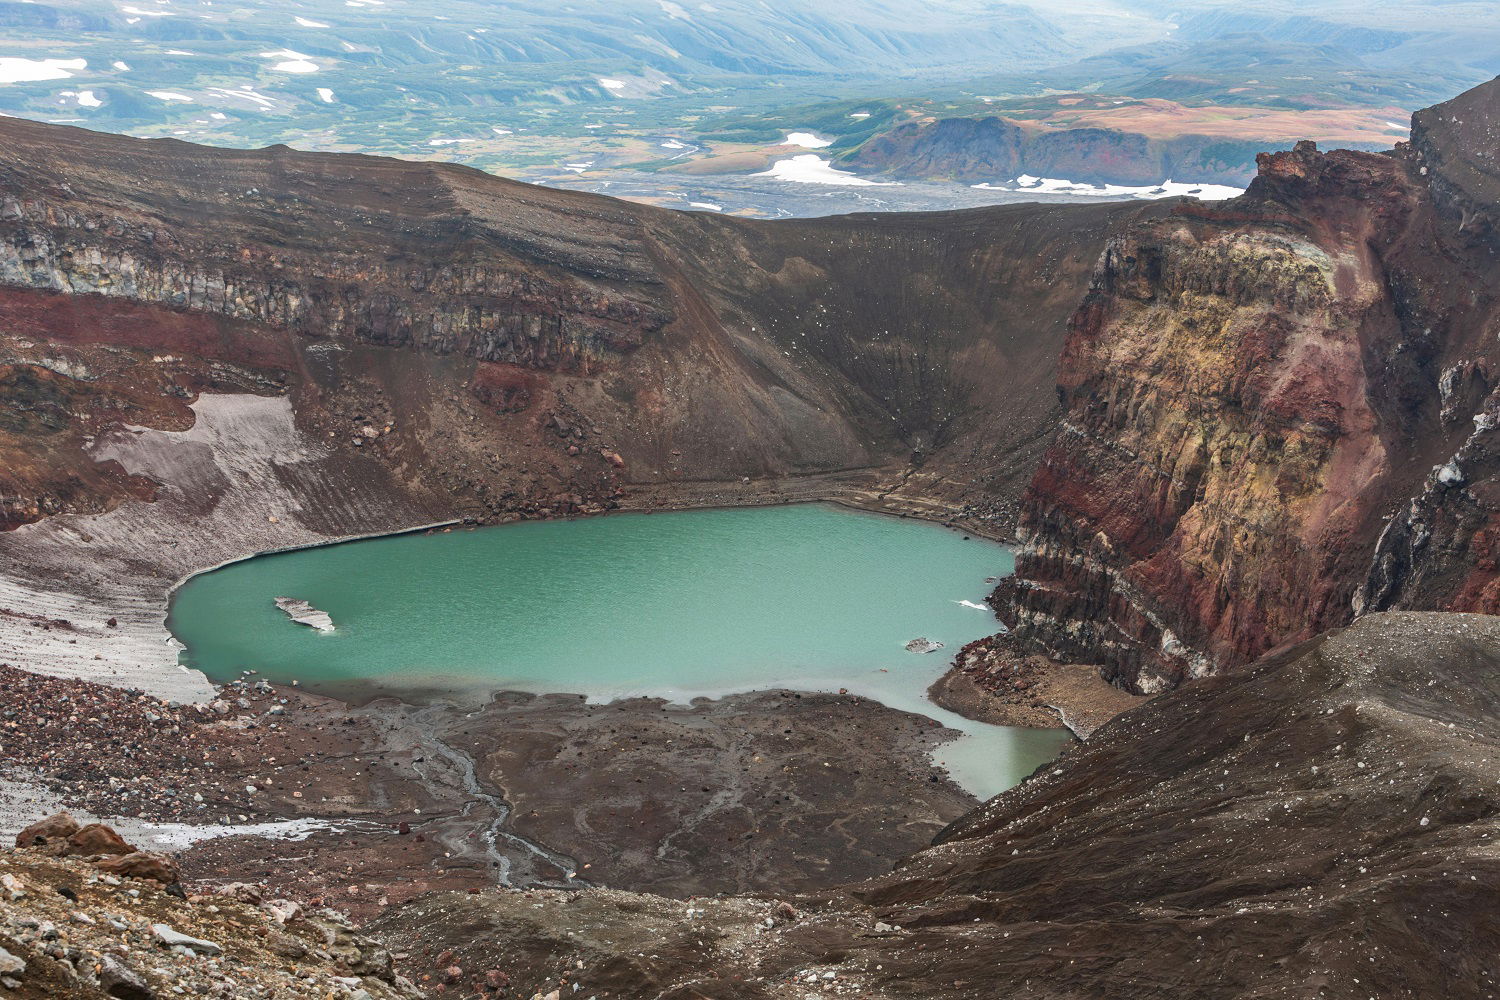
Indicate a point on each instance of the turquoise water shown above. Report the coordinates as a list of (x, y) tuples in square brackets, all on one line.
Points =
[(812, 597)]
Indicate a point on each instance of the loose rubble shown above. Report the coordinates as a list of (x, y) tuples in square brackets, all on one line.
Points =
[(134, 939)]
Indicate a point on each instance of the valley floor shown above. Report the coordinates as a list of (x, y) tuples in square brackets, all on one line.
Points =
[(364, 807)]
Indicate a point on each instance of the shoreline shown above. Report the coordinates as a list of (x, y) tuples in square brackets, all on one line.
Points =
[(867, 500), (91, 593), (391, 801), (974, 743), (717, 503), (873, 491), (991, 682)]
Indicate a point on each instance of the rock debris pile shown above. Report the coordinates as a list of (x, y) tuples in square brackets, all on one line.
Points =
[(122, 753), (72, 928)]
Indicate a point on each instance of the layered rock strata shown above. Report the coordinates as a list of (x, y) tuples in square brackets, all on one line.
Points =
[(1278, 414), (207, 353)]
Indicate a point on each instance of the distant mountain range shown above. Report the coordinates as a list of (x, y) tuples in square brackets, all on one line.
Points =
[(546, 92)]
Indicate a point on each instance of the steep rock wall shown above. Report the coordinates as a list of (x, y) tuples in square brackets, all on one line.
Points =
[(597, 343), (1260, 398), (431, 343)]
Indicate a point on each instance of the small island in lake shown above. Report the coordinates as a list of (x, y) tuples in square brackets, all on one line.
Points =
[(304, 613)]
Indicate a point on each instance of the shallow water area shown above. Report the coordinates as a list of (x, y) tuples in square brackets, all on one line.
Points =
[(812, 597)]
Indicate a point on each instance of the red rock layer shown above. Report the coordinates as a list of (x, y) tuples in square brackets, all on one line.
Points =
[(1260, 394), (512, 346)]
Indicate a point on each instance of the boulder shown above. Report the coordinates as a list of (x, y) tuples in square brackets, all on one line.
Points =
[(119, 980), (176, 939), (283, 911), (242, 891), (142, 864), (96, 838), (55, 828)]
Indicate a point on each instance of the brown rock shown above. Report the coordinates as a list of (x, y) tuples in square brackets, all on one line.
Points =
[(96, 838), (57, 827), (142, 864), (285, 945)]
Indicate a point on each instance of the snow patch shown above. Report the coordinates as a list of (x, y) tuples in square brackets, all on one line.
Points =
[(183, 835), (169, 95), (810, 168), (1026, 183), (609, 84), (291, 61), (806, 140), (84, 98), (246, 93), (308, 22), (15, 69), (710, 206), (325, 95)]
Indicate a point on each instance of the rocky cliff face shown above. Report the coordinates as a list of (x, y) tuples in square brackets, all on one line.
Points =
[(691, 348), (1278, 413), (300, 254), (975, 150), (206, 353)]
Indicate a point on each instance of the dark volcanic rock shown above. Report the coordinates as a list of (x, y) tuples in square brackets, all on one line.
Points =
[(1320, 825)]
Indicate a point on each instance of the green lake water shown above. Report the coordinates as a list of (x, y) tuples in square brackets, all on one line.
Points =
[(812, 597)]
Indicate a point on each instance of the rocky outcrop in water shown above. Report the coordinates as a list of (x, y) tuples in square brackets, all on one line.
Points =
[(1277, 413), (304, 613)]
